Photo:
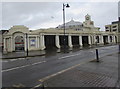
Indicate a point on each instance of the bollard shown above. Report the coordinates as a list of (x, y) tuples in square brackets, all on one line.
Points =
[(43, 86), (97, 55), (119, 49)]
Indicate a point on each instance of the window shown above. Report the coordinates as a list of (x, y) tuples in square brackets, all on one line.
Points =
[(114, 29), (91, 23), (114, 26), (32, 41), (106, 27), (107, 30)]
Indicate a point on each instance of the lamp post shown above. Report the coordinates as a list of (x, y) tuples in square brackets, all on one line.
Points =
[(27, 44), (119, 31), (67, 6)]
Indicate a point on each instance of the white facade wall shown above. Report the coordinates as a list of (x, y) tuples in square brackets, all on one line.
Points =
[(39, 42)]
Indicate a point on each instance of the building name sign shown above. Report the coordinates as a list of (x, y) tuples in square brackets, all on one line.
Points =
[(32, 42)]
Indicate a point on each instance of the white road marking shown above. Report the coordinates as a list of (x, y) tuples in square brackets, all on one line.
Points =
[(92, 51), (4, 61), (43, 56), (17, 59), (38, 63), (13, 59), (37, 86), (6, 70), (14, 68), (21, 58), (68, 56), (18, 85)]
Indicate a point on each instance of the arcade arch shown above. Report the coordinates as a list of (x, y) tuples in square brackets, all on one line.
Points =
[(19, 41)]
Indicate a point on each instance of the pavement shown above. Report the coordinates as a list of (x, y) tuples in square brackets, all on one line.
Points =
[(23, 54), (89, 74)]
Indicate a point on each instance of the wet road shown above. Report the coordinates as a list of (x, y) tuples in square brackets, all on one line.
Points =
[(28, 71)]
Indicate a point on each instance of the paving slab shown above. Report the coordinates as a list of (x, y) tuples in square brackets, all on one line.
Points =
[(90, 74)]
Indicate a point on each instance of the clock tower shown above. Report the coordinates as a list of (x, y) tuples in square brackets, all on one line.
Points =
[(88, 17), (88, 22)]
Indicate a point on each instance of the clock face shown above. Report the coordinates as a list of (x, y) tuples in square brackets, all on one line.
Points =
[(87, 18)]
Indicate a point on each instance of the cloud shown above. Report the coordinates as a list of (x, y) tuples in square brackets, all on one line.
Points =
[(60, 1), (27, 13), (0, 15), (37, 15), (102, 13), (119, 9)]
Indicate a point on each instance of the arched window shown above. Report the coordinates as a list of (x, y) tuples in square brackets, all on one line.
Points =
[(19, 43)]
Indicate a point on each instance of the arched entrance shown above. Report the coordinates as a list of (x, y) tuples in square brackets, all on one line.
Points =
[(75, 41), (62, 41), (110, 38), (97, 39), (50, 41), (105, 39), (85, 41), (19, 43)]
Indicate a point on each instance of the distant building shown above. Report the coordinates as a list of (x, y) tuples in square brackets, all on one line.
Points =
[(1, 38), (119, 29), (113, 27), (108, 28), (76, 25)]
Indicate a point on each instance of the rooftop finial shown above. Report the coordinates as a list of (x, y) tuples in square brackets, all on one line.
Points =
[(87, 14), (72, 19)]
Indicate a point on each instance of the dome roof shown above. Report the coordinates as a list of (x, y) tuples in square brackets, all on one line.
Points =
[(70, 23)]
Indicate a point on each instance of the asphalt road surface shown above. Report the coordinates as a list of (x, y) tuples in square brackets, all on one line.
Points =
[(28, 71)]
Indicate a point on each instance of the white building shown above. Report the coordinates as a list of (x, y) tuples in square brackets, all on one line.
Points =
[(77, 33)]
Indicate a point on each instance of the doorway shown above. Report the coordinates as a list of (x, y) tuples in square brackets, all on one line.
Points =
[(50, 41), (105, 39), (85, 40)]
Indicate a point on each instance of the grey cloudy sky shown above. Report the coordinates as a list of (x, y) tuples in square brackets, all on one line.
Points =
[(36, 15), (119, 9)]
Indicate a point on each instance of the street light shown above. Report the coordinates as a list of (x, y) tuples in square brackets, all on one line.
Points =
[(26, 44), (67, 6)]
